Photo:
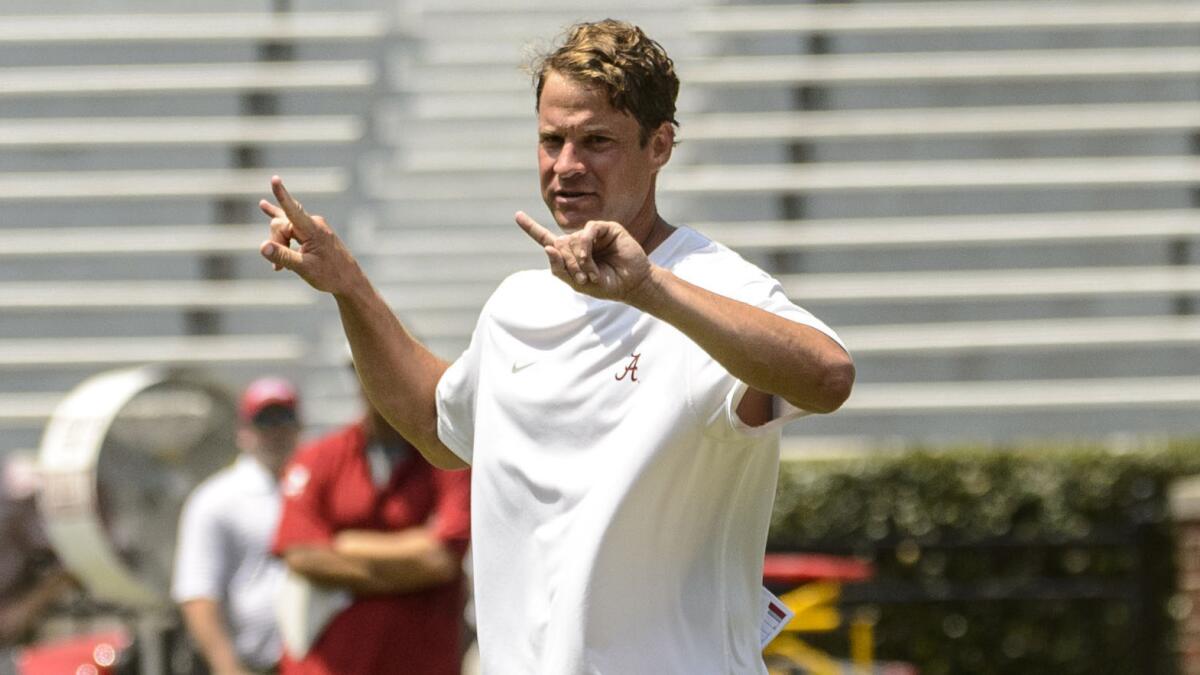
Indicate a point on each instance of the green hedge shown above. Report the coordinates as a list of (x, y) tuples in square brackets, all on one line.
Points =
[(1023, 560)]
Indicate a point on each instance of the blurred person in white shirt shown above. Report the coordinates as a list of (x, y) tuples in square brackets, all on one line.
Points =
[(226, 580)]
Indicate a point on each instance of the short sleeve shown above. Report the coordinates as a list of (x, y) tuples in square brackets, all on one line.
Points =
[(201, 551), (451, 522), (716, 393), (771, 297), (303, 518), (456, 392)]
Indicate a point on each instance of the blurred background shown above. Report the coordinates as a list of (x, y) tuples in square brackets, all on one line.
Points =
[(993, 201)]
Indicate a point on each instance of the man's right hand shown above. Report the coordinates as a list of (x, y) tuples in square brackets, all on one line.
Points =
[(322, 259)]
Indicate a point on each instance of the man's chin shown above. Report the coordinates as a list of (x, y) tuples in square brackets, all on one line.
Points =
[(570, 221)]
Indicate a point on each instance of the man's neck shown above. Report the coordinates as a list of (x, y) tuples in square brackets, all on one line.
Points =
[(657, 234)]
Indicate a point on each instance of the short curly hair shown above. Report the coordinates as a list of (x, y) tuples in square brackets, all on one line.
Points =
[(617, 57)]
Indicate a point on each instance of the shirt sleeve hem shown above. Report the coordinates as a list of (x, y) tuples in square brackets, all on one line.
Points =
[(785, 414), (460, 446)]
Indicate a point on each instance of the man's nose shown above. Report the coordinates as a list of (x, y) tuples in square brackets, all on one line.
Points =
[(568, 162)]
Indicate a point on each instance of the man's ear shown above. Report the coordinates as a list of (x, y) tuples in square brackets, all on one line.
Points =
[(662, 142)]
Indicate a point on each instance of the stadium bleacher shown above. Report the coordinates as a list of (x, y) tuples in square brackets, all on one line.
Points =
[(996, 202), (137, 144)]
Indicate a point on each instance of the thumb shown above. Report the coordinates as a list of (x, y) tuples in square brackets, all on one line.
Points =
[(282, 256)]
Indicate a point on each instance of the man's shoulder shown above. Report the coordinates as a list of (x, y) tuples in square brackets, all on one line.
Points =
[(707, 262), (524, 281), (526, 289), (218, 483), (212, 495)]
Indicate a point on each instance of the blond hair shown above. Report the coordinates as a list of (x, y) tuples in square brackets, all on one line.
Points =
[(617, 57)]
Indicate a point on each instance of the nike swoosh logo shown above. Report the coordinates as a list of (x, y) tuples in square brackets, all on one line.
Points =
[(518, 367)]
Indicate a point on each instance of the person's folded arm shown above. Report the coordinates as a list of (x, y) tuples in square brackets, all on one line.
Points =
[(376, 563), (408, 560)]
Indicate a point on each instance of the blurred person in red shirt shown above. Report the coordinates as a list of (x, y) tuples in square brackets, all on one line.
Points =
[(374, 537)]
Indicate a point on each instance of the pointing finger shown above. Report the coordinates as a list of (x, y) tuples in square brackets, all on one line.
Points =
[(535, 231), (290, 206)]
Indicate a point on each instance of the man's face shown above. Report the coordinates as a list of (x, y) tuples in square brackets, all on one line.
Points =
[(591, 162), (273, 434)]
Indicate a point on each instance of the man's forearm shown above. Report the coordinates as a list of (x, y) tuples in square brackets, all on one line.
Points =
[(326, 567), (371, 563), (408, 560), (398, 373), (202, 617), (767, 352)]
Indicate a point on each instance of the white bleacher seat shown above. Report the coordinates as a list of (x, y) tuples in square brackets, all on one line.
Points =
[(776, 235), (1048, 334), (484, 76), (192, 27), (426, 255), (157, 295), (134, 240), (493, 181), (184, 28), (26, 409), (935, 175), (1027, 285), (433, 151), (958, 231), (973, 67), (465, 292), (877, 17), (179, 78), (948, 339), (1023, 395), (515, 133), (210, 183), (174, 349), (110, 131), (936, 122)]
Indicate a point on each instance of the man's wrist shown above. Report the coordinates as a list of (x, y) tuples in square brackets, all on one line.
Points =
[(357, 289), (649, 293)]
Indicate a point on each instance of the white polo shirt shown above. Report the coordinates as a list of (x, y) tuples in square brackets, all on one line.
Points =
[(619, 506), (224, 554)]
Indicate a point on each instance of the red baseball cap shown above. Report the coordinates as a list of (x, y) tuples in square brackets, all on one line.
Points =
[(265, 392)]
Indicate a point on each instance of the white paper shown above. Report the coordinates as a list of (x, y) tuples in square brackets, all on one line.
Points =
[(775, 615), (304, 610)]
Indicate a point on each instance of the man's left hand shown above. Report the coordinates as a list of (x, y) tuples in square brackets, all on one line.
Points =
[(600, 259)]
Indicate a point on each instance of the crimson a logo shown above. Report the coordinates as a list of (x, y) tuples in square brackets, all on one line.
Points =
[(630, 369)]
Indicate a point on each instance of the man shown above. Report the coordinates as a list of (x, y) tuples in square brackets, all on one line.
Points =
[(226, 579), (619, 417), (365, 513)]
